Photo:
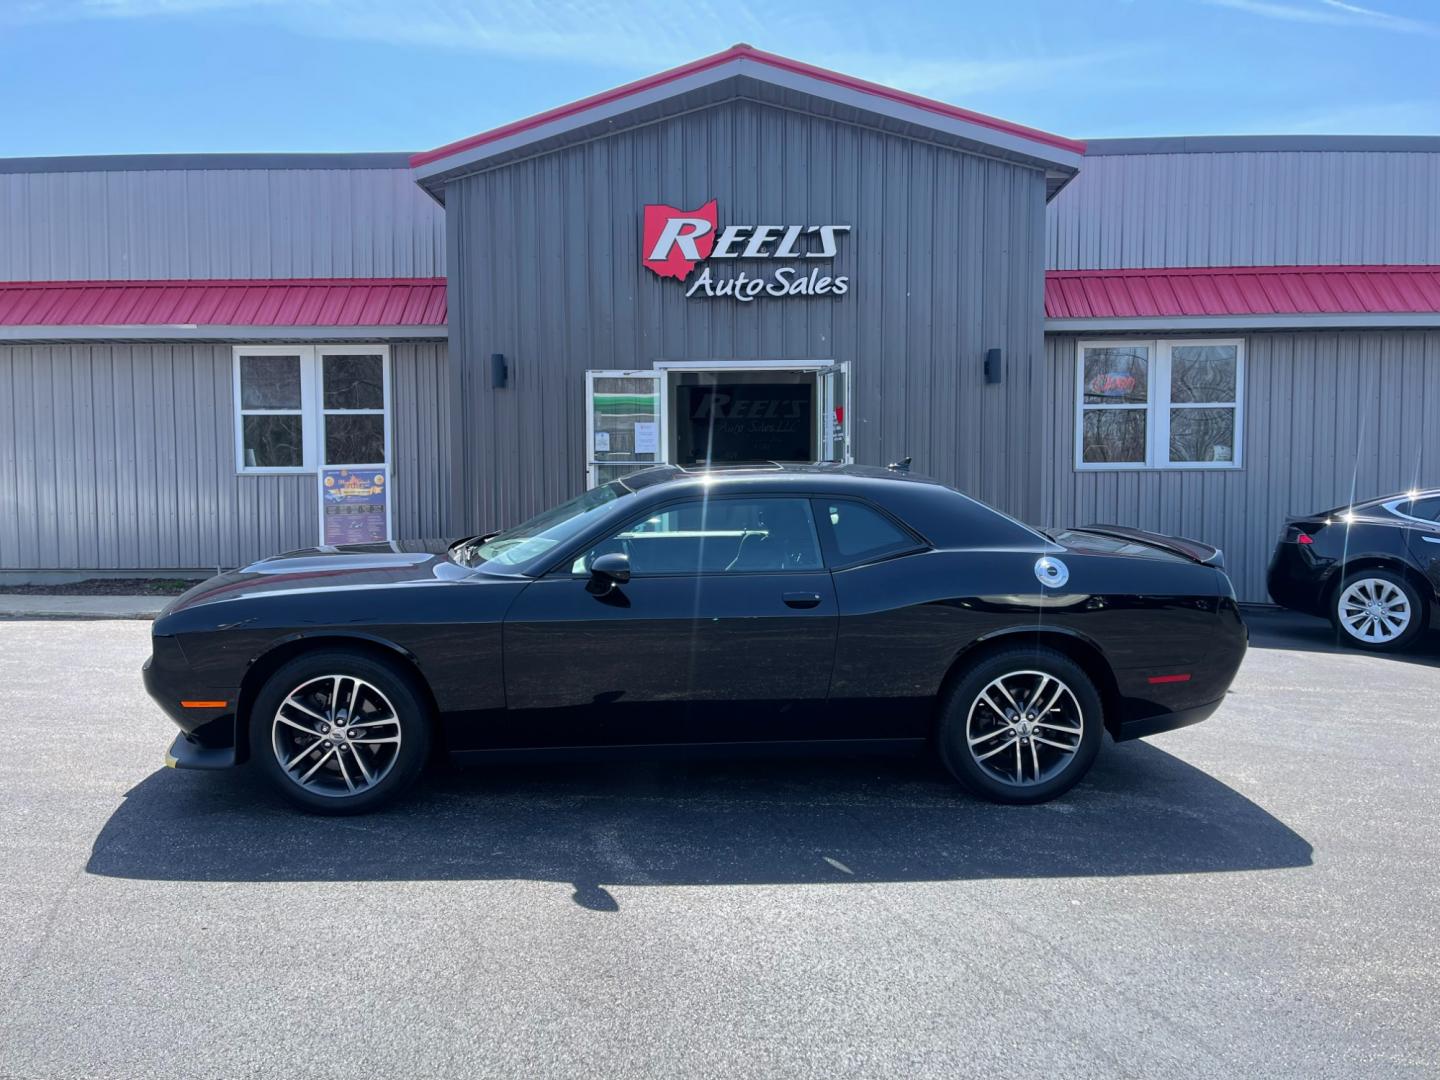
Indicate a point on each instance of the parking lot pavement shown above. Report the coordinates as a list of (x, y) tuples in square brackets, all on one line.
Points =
[(1254, 896)]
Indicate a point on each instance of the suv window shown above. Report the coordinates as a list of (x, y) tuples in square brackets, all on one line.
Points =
[(716, 536), (861, 532)]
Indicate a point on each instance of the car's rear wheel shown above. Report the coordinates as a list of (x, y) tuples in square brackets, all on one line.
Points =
[(339, 732), (1021, 726), (1377, 609)]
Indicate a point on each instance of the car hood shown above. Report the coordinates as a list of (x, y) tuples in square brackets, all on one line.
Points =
[(348, 565)]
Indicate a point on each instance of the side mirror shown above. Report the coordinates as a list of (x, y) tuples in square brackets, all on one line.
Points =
[(607, 572)]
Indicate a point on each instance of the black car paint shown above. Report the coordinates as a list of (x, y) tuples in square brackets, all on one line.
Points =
[(1366, 536), (524, 663)]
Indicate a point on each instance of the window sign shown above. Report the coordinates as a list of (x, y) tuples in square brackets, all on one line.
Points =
[(647, 437), (354, 505)]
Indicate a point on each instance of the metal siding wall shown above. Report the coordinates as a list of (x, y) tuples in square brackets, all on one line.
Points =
[(1326, 414), (944, 261), (419, 429), (221, 223), (121, 457), (1247, 208)]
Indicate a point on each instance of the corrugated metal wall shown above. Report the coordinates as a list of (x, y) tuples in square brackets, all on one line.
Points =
[(217, 223), (122, 457), (1247, 208), (1326, 413), (944, 260)]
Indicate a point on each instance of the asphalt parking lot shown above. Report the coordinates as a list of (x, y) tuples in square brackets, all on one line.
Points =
[(1255, 896)]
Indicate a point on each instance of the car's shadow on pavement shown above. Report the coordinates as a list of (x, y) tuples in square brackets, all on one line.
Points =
[(1141, 811), (1278, 629)]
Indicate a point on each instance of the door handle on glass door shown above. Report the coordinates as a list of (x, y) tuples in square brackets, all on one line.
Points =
[(802, 599)]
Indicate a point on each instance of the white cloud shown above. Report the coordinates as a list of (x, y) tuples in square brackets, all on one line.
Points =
[(1331, 13)]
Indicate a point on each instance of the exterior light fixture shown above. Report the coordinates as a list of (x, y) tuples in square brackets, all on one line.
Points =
[(993, 365)]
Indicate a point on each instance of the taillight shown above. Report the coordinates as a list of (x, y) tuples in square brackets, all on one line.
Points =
[(1304, 538)]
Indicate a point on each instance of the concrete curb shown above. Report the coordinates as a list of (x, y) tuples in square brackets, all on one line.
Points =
[(28, 606)]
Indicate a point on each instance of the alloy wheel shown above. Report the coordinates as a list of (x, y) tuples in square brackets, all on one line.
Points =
[(336, 735), (1024, 728), (1374, 610)]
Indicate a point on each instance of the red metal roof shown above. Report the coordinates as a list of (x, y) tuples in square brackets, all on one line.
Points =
[(294, 302), (747, 52), (1241, 290)]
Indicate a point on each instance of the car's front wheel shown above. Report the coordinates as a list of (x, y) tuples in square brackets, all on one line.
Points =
[(1377, 609), (339, 732), (1022, 726)]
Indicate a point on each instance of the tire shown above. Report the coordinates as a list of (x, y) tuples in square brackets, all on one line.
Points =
[(1067, 743), (1377, 610), (351, 767)]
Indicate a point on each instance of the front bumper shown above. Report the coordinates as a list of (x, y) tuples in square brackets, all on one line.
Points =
[(204, 714), (187, 752)]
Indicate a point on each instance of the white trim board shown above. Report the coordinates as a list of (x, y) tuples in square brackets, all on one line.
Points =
[(1179, 324)]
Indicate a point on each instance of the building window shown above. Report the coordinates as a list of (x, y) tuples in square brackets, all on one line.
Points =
[(1159, 404), (303, 406)]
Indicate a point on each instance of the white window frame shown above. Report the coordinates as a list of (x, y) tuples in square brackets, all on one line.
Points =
[(1157, 405), (312, 406)]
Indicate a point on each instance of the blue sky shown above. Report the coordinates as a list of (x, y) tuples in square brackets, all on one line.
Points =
[(161, 76)]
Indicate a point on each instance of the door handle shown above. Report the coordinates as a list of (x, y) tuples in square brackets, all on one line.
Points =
[(802, 599)]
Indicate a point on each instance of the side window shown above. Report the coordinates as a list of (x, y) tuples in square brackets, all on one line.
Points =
[(716, 536), (860, 532)]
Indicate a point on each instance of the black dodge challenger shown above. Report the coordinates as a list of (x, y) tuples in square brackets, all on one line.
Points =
[(805, 606)]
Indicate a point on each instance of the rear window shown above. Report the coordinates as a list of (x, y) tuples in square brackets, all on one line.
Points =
[(1427, 509), (860, 533)]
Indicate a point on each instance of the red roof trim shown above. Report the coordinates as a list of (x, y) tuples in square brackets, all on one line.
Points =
[(241, 302), (746, 52), (1188, 292)]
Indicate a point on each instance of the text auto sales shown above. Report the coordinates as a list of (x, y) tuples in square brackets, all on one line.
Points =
[(677, 242)]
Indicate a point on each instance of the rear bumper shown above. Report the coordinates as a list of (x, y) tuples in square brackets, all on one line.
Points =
[(1296, 580), (1153, 725), (1154, 700)]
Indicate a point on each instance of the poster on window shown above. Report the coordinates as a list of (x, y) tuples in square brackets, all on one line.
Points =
[(354, 505)]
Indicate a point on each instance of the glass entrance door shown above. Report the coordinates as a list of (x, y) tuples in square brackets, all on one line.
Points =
[(833, 430), (624, 423)]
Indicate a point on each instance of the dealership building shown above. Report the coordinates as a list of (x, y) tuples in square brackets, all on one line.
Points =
[(208, 359)]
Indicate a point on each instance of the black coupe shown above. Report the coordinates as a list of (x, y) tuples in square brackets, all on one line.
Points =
[(1372, 569), (681, 611)]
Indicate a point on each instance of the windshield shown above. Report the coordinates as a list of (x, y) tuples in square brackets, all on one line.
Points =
[(518, 549)]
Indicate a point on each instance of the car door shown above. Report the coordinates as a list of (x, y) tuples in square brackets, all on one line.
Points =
[(886, 646), (725, 632), (1423, 515)]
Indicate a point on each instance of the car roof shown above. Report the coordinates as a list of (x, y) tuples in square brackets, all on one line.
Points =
[(822, 475), (1413, 495)]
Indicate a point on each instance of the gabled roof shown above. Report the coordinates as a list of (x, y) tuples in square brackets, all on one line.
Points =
[(743, 71), (249, 309), (1242, 297)]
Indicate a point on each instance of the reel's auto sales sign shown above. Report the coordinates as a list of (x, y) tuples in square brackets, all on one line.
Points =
[(676, 241)]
